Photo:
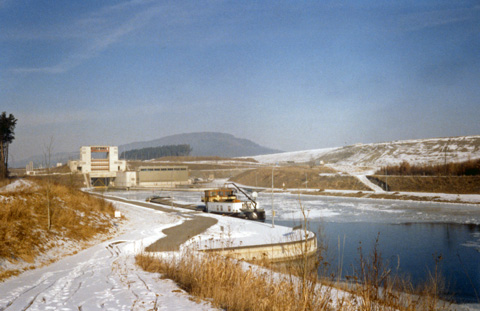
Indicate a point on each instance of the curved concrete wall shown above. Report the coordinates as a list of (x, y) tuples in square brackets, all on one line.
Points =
[(270, 252)]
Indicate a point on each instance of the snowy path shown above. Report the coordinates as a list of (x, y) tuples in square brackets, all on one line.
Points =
[(104, 276), (368, 183)]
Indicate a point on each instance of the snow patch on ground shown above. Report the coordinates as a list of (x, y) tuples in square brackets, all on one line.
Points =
[(103, 276), (416, 151), (17, 185), (295, 156), (232, 232)]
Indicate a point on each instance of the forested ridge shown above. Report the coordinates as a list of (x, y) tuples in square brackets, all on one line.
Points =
[(156, 152)]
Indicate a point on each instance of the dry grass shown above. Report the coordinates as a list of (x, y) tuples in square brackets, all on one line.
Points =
[(228, 285), (204, 158), (23, 219), (4, 182), (299, 177), (436, 184), (70, 180), (203, 163), (377, 286), (233, 285), (465, 168)]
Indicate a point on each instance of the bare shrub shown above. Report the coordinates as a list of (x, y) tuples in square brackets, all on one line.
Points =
[(466, 168), (295, 177), (227, 284)]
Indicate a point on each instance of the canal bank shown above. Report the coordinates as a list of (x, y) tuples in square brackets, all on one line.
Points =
[(411, 233), (232, 237)]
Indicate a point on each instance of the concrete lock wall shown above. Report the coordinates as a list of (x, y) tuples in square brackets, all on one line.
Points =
[(271, 252), (160, 174)]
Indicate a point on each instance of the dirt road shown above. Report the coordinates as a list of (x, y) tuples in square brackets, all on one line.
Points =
[(175, 236), (178, 235)]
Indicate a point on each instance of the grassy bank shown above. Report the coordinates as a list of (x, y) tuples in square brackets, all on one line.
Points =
[(465, 168), (233, 285), (299, 177), (24, 227), (436, 184)]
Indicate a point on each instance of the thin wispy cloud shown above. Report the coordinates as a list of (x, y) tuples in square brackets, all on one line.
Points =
[(436, 18), (99, 31), (287, 71)]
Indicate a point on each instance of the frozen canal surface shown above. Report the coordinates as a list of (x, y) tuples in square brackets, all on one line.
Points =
[(411, 234)]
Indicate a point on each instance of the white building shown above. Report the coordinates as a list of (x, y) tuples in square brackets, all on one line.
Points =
[(101, 163), (126, 179)]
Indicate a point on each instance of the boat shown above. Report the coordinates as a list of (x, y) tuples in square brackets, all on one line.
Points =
[(224, 201), (154, 198)]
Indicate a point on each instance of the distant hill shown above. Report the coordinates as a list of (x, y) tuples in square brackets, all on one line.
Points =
[(418, 151), (157, 152), (206, 144), (202, 144)]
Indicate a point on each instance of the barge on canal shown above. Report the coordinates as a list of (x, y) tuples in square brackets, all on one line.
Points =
[(224, 201)]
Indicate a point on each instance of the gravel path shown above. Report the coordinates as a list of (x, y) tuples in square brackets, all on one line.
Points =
[(178, 235), (175, 236)]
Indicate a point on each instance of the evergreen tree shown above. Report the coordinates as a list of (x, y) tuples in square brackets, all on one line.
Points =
[(157, 152), (7, 127)]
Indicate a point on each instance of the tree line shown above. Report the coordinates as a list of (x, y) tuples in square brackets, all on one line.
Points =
[(157, 152), (466, 168)]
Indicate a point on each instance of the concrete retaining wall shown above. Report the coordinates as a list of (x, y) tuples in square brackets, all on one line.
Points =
[(276, 252)]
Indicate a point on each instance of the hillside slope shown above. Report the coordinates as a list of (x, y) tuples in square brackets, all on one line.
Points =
[(207, 144), (419, 151)]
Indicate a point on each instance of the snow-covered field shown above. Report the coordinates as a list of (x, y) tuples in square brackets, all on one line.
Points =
[(294, 156), (416, 151), (105, 276)]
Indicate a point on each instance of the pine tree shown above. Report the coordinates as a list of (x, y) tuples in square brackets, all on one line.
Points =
[(7, 127)]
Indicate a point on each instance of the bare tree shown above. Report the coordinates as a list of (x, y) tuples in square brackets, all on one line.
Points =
[(47, 157)]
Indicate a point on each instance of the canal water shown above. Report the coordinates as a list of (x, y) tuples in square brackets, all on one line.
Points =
[(409, 250), (411, 235)]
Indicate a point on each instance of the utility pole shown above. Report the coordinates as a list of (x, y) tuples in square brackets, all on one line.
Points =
[(273, 210), (445, 157), (386, 178), (306, 181)]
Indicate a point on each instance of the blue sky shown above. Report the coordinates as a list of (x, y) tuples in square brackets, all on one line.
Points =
[(290, 75)]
